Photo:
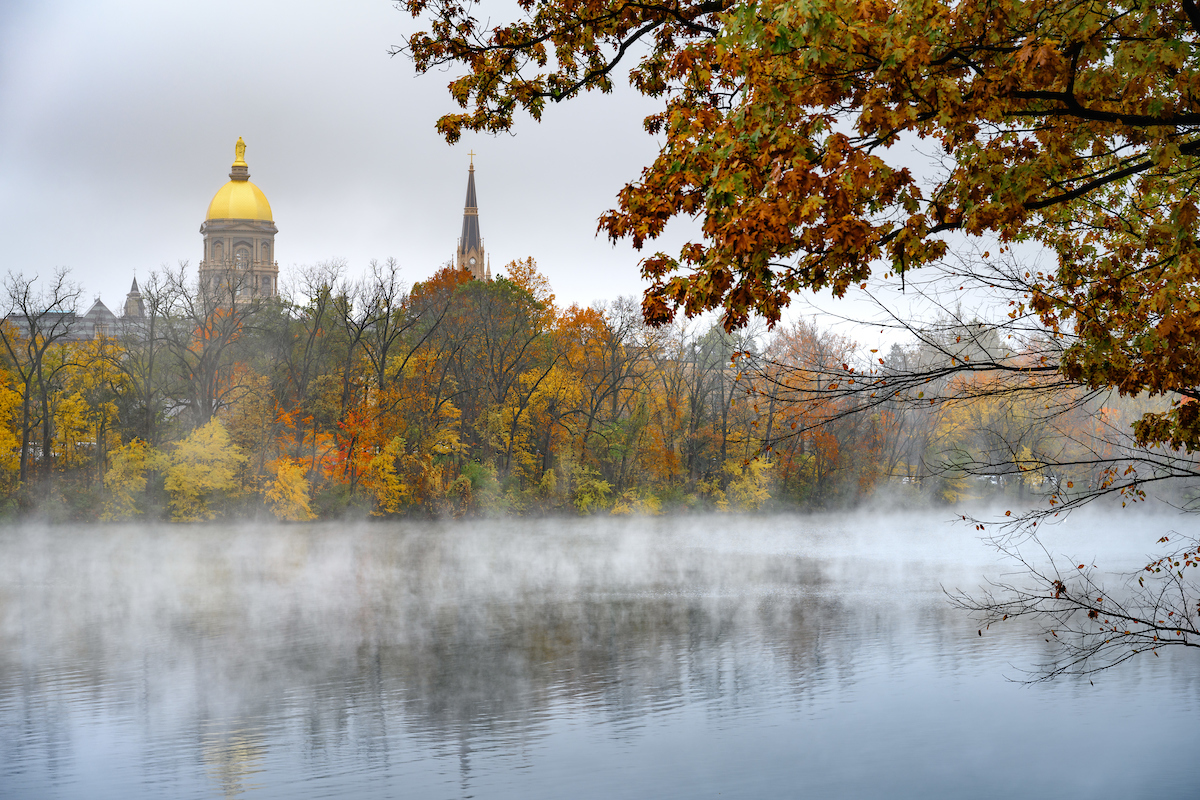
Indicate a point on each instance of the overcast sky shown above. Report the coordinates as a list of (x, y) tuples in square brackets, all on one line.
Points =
[(118, 120)]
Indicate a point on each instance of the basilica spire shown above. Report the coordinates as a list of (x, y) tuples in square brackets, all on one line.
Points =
[(470, 244), (135, 307)]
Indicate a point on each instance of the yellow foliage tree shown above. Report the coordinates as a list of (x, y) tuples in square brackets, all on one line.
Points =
[(73, 429), (10, 437), (524, 273), (384, 480), (251, 424), (531, 420), (637, 503), (126, 479), (86, 418), (590, 493), (749, 485), (288, 493), (203, 468)]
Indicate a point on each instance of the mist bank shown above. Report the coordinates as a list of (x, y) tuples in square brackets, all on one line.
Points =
[(513, 657), (470, 613), (239, 613), (463, 398)]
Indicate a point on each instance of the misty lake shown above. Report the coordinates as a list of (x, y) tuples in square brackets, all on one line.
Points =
[(791, 656)]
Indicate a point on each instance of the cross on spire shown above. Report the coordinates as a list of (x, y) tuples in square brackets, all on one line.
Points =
[(472, 155)]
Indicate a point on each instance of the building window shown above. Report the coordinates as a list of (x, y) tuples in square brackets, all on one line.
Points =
[(218, 251), (266, 285), (266, 252), (242, 259)]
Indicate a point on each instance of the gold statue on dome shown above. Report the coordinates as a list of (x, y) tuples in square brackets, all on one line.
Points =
[(240, 149)]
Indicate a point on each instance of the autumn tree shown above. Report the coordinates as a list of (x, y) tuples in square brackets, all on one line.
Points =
[(288, 493), (202, 473), (527, 378), (606, 353), (822, 436), (499, 337), (202, 327), (91, 393), (304, 341), (10, 440), (392, 327), (399, 394), (140, 357), (681, 407), (37, 321), (127, 480)]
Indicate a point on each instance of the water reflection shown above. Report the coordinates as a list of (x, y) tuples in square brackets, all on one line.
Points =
[(233, 758), (497, 659)]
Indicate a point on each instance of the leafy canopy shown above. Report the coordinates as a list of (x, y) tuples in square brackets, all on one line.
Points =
[(202, 471), (1072, 125)]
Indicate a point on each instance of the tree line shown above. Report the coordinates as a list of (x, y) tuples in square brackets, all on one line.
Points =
[(463, 397)]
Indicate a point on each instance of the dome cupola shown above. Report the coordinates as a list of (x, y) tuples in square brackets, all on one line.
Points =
[(239, 198), (239, 238)]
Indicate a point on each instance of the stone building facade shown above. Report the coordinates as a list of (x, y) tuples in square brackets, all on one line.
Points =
[(68, 326)]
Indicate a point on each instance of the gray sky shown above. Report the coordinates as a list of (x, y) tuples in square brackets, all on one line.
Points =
[(118, 120)]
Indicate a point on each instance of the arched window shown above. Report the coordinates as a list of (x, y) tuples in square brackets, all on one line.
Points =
[(266, 253), (242, 259), (218, 252)]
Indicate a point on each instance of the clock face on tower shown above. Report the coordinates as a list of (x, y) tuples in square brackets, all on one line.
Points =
[(472, 261)]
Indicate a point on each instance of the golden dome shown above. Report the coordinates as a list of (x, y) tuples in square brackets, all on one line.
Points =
[(239, 199)]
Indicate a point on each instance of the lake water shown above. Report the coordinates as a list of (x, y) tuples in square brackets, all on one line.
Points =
[(699, 657)]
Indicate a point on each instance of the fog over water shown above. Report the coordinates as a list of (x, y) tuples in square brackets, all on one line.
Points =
[(685, 657)]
